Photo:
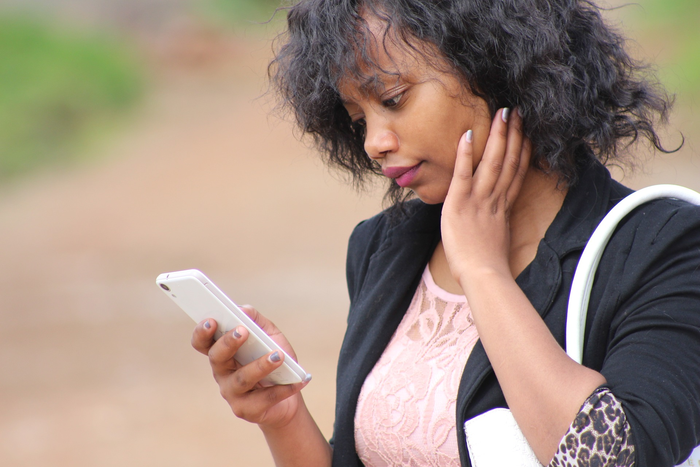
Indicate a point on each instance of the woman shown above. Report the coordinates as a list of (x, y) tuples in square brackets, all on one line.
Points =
[(496, 116)]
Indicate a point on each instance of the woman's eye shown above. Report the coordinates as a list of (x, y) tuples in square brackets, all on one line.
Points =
[(393, 101)]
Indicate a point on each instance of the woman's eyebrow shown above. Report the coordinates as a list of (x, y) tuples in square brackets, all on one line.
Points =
[(370, 86), (362, 91)]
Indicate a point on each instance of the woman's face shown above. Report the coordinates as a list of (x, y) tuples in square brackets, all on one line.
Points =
[(414, 116)]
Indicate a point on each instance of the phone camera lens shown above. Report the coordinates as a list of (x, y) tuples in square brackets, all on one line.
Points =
[(165, 287)]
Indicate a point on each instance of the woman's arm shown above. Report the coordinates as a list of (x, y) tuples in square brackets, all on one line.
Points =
[(279, 411), (544, 388)]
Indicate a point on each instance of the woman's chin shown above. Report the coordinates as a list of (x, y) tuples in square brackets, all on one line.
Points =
[(430, 197)]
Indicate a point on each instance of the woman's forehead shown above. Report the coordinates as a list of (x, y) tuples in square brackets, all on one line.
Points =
[(352, 89), (391, 67), (382, 59)]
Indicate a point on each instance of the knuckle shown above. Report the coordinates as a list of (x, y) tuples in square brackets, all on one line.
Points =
[(234, 400), (225, 392), (496, 167), (262, 365), (214, 359), (239, 410), (198, 344), (240, 379), (513, 163), (462, 173)]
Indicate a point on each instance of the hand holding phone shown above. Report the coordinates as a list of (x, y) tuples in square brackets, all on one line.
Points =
[(200, 298)]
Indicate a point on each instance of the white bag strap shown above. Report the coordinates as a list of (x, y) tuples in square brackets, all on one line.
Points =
[(494, 438), (587, 265)]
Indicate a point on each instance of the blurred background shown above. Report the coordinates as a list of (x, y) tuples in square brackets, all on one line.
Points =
[(136, 138)]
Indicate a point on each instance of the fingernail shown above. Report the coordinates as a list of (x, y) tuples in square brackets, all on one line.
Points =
[(275, 357), (207, 325), (469, 136), (504, 114), (307, 378), (520, 112), (236, 334)]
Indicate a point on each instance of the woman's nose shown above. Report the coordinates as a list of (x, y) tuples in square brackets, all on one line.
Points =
[(380, 140)]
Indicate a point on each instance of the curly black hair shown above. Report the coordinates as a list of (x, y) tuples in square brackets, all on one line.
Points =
[(580, 93)]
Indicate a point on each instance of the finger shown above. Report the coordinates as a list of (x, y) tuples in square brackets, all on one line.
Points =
[(203, 336), (460, 186), (491, 165), (513, 154), (248, 376), (264, 323), (514, 188), (222, 352)]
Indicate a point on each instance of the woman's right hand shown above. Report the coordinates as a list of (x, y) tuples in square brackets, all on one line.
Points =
[(269, 407)]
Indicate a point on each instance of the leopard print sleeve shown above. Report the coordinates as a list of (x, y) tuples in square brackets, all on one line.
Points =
[(598, 436)]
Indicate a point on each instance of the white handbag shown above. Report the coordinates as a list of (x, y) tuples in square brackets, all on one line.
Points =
[(494, 438)]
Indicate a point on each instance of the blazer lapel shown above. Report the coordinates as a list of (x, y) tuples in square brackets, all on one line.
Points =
[(388, 287)]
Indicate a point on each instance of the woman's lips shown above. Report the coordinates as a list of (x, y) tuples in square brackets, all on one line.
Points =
[(403, 175)]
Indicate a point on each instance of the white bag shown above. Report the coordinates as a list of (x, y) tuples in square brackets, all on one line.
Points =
[(494, 438)]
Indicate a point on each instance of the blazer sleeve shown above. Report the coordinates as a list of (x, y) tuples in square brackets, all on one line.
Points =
[(652, 361)]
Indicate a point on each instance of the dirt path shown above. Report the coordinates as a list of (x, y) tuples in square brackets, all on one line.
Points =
[(95, 363)]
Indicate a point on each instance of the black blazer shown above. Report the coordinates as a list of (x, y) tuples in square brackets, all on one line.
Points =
[(642, 332)]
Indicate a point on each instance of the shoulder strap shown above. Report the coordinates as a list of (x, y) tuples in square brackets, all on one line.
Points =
[(587, 265)]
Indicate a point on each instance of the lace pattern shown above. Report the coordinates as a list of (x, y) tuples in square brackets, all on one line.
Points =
[(406, 409)]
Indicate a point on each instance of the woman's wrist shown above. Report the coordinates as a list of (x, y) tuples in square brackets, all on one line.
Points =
[(482, 277), (287, 423), (298, 441)]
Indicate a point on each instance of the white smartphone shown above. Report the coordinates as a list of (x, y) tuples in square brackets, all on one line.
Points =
[(200, 298)]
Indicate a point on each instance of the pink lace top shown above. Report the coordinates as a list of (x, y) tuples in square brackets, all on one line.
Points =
[(406, 409)]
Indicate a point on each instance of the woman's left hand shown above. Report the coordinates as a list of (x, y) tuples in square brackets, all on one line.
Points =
[(543, 387), (475, 230)]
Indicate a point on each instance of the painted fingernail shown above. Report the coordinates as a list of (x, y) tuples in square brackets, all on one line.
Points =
[(469, 136), (504, 114), (275, 357), (236, 334), (307, 378), (207, 324)]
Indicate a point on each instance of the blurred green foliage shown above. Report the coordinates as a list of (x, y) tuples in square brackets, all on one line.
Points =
[(674, 27), (241, 13), (57, 88)]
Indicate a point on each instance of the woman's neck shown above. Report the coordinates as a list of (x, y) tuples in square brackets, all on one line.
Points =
[(538, 203)]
